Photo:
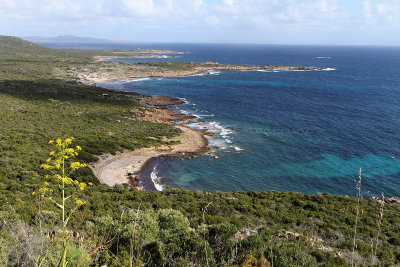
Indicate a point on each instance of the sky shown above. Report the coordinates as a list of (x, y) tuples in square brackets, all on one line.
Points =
[(328, 22)]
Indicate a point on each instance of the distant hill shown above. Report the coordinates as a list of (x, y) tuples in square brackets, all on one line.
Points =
[(16, 45), (70, 39)]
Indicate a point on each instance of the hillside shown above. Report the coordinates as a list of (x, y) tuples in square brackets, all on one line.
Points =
[(14, 45), (123, 226), (65, 39)]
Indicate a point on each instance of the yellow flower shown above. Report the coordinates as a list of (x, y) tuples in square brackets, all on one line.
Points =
[(58, 141), (79, 202), (90, 183), (78, 148), (33, 193), (46, 184), (82, 186), (51, 141), (48, 160), (75, 165), (45, 166), (51, 153)]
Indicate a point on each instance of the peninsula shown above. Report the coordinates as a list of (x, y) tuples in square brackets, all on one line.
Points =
[(42, 97), (103, 71)]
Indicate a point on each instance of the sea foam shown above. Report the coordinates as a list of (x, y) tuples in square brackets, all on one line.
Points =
[(156, 180)]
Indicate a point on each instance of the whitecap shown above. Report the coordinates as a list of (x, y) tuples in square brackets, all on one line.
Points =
[(184, 100), (214, 72), (199, 74), (323, 57), (156, 180), (263, 70), (184, 111), (205, 115)]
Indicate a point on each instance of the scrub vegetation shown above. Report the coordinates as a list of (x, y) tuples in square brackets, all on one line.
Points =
[(123, 226)]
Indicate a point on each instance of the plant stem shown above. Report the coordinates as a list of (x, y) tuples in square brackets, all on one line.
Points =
[(357, 214), (64, 255), (379, 229)]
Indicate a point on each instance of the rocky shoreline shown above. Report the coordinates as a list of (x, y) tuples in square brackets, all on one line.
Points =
[(117, 70), (123, 168)]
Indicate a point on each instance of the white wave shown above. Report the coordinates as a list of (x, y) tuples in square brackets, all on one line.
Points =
[(214, 72), (229, 141), (184, 100), (211, 72), (219, 129), (204, 115), (328, 69), (220, 139), (138, 79), (156, 180), (215, 142), (188, 113), (237, 148), (263, 70), (199, 74), (323, 57)]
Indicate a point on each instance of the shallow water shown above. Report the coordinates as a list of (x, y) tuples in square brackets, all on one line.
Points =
[(305, 131)]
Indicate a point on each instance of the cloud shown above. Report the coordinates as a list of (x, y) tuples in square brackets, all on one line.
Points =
[(138, 8), (182, 16), (384, 14)]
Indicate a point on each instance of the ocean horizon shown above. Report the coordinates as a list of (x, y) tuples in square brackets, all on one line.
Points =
[(303, 131)]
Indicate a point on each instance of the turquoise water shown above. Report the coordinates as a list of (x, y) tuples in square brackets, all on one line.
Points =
[(309, 132)]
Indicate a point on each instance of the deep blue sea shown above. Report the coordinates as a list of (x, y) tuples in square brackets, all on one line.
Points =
[(304, 131)]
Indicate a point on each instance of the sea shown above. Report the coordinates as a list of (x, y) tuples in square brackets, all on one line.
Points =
[(302, 131)]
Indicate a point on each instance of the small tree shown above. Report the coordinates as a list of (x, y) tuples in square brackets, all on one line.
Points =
[(61, 164)]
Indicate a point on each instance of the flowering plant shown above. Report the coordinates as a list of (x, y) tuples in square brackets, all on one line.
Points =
[(61, 164)]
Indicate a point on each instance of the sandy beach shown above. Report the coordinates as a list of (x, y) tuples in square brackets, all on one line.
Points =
[(124, 167)]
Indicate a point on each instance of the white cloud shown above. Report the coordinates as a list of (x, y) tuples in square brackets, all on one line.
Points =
[(203, 15), (384, 14), (138, 8)]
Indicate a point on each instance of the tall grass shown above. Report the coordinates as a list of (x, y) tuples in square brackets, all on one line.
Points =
[(359, 196), (204, 230), (379, 229)]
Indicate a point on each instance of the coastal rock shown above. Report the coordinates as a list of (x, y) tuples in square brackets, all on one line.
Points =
[(161, 101)]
